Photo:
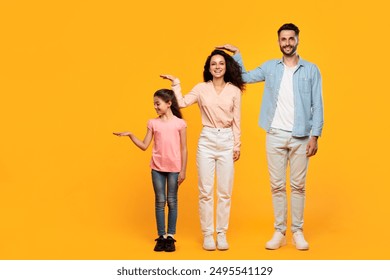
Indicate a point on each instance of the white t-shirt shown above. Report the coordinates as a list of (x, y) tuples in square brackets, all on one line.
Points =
[(284, 114)]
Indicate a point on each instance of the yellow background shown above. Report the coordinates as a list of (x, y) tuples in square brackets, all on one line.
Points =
[(72, 72)]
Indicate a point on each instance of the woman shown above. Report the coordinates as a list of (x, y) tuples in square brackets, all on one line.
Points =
[(219, 101)]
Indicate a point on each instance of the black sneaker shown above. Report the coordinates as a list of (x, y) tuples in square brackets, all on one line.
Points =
[(160, 244), (170, 244)]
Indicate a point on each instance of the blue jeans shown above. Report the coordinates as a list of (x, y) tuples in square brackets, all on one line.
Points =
[(163, 195)]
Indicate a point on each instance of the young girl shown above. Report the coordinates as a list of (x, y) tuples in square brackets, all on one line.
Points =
[(168, 163)]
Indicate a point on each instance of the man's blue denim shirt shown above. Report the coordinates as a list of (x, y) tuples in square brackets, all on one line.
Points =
[(307, 88)]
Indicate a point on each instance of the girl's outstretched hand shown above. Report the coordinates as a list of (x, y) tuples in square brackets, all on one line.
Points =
[(125, 133)]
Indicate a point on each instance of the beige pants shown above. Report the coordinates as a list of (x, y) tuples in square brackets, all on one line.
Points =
[(215, 155), (282, 149)]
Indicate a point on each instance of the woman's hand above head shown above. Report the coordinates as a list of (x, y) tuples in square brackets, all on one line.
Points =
[(168, 77)]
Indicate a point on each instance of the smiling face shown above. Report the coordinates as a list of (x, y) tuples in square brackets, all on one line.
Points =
[(288, 42), (217, 66), (161, 106)]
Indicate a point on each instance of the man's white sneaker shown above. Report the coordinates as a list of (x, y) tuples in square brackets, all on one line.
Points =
[(299, 241), (222, 242), (209, 243), (277, 240)]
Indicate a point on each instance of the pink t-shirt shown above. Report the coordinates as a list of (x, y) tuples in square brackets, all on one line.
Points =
[(166, 154)]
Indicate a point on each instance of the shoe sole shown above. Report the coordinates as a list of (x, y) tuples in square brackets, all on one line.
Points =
[(302, 248), (209, 249), (222, 248)]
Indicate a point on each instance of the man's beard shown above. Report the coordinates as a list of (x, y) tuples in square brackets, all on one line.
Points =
[(293, 50)]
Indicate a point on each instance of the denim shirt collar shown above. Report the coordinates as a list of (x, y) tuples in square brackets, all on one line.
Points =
[(300, 63)]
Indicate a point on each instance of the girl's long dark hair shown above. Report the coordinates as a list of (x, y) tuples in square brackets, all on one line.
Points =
[(168, 95), (233, 70)]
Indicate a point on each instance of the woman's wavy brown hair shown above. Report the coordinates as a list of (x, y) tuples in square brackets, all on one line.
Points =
[(233, 70)]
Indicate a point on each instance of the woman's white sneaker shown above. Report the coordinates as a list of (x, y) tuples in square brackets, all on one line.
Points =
[(209, 243), (222, 242)]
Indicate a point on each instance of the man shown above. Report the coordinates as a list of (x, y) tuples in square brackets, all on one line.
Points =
[(292, 115)]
